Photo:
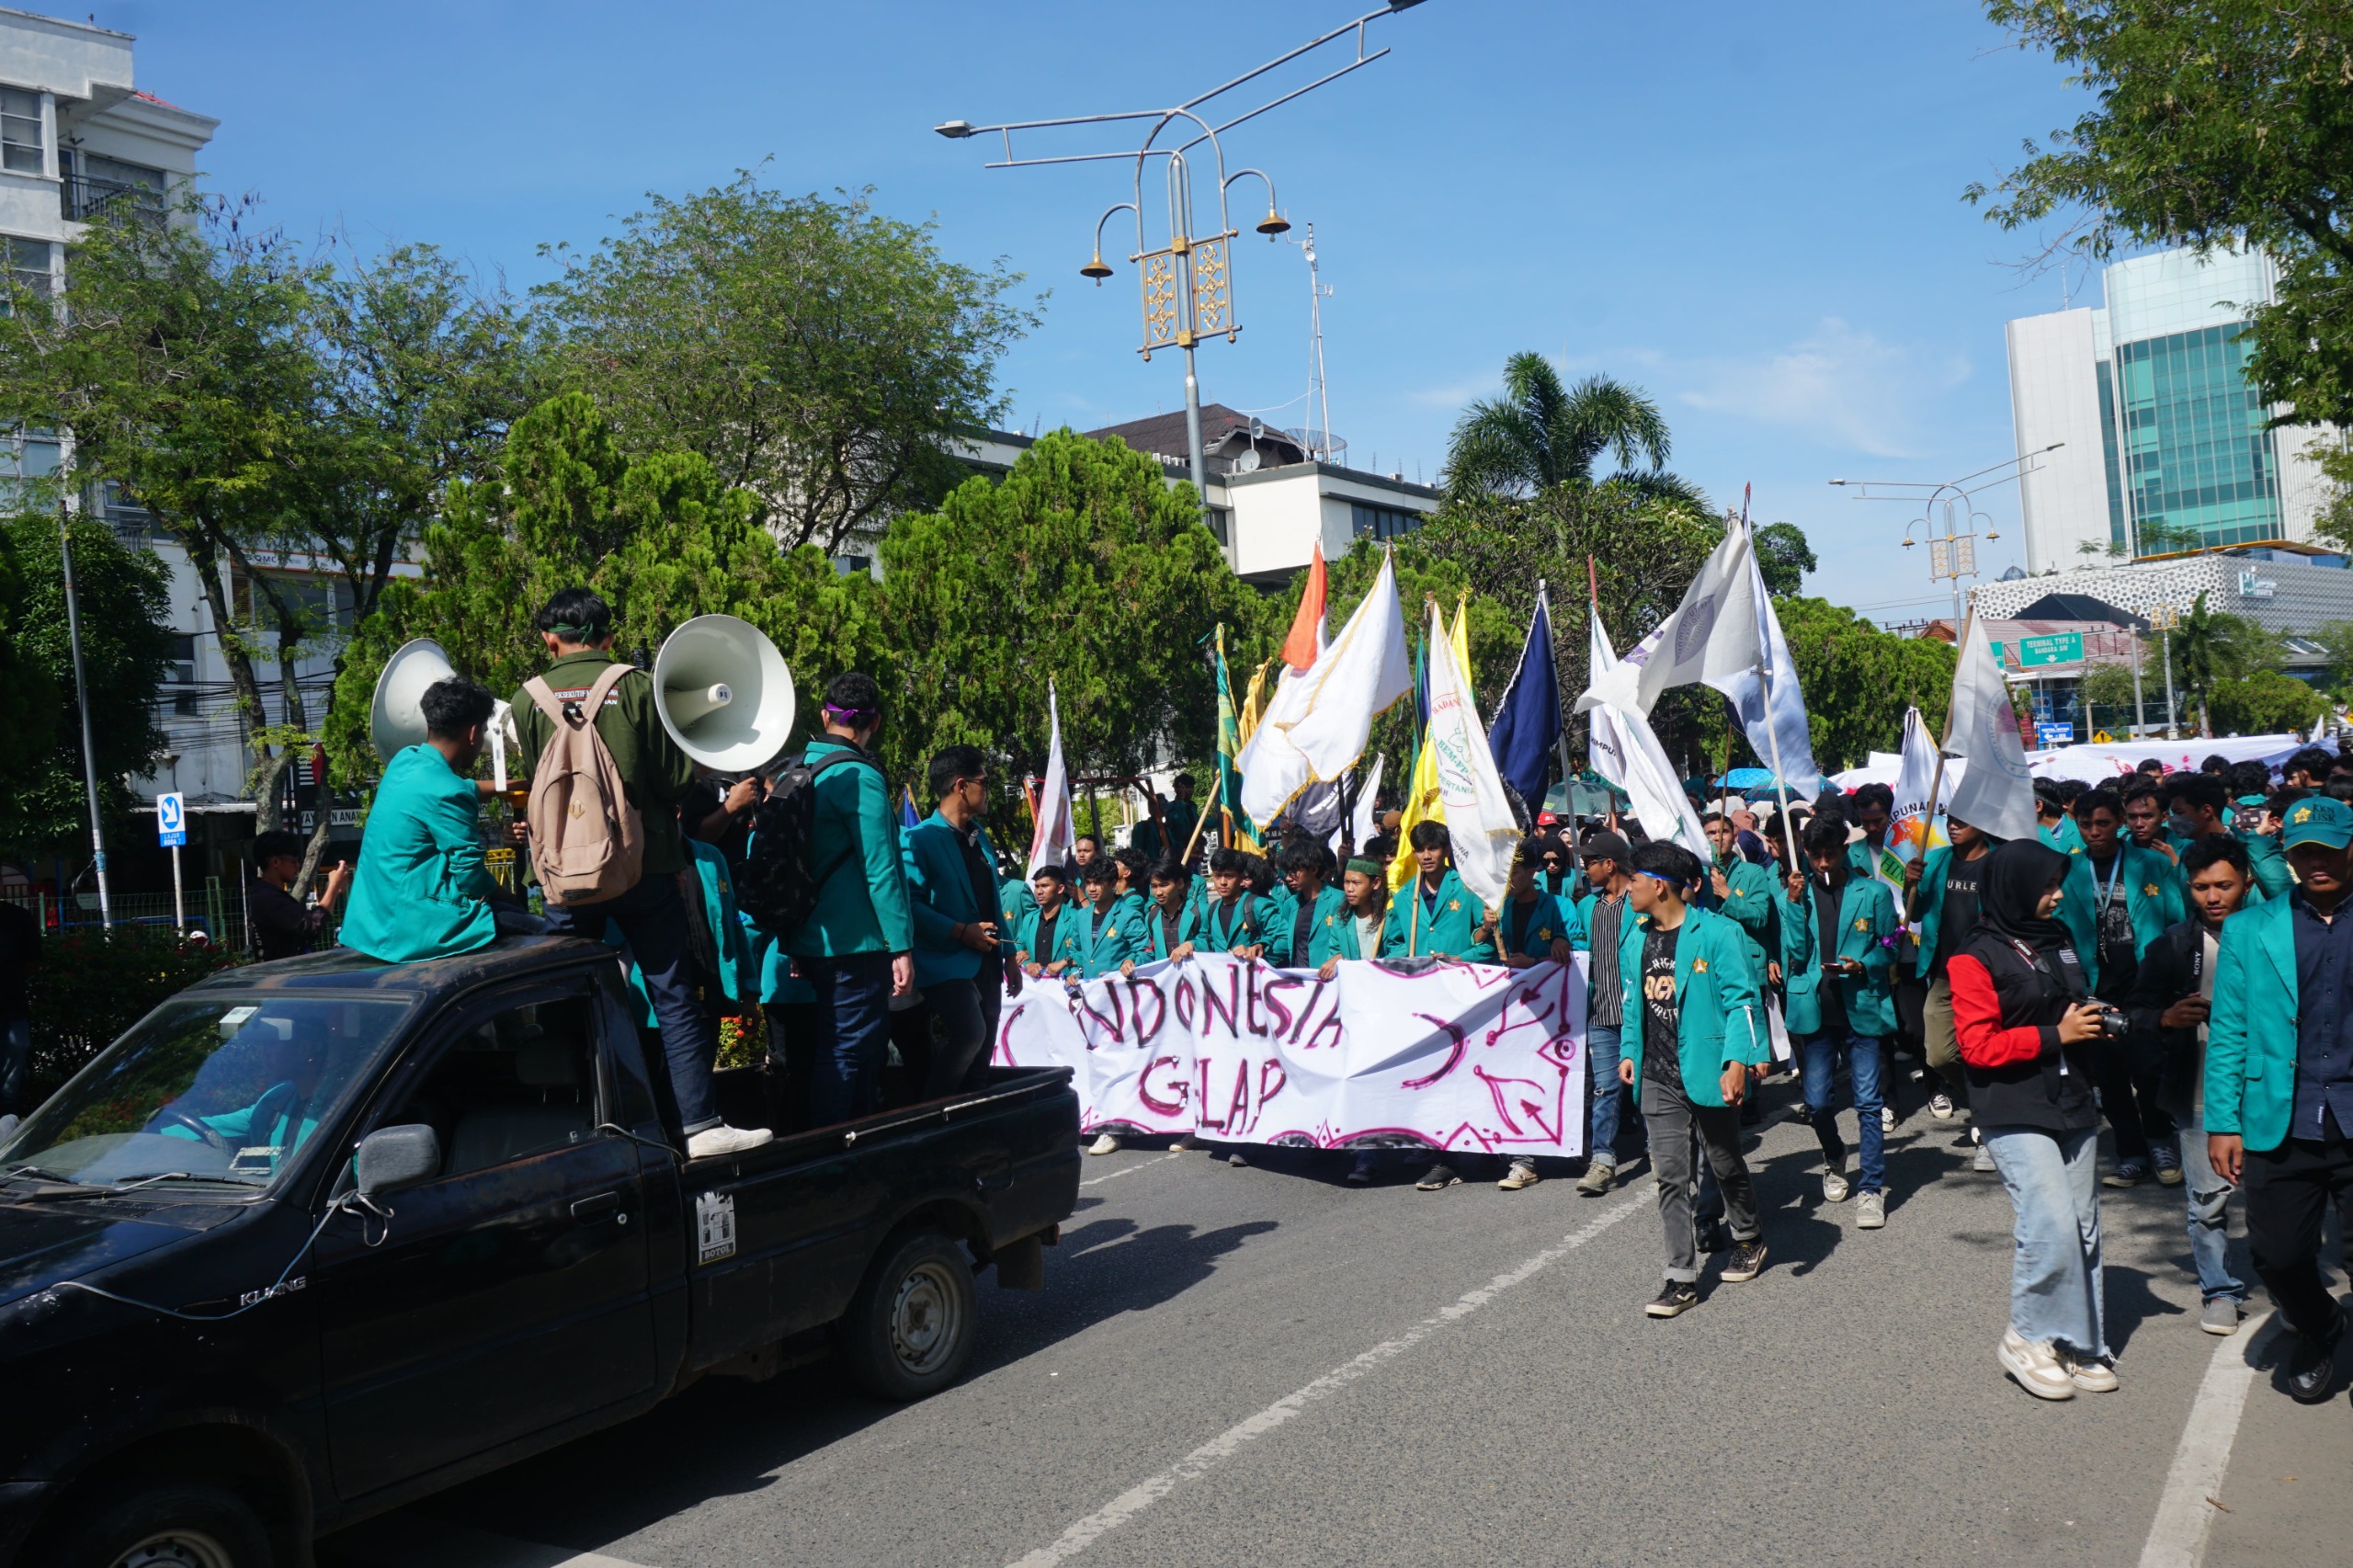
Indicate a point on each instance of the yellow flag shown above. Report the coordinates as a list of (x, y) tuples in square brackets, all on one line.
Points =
[(1422, 804), (1459, 637), (1254, 705)]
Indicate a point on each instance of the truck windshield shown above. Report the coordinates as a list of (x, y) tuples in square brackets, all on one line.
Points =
[(217, 1088)]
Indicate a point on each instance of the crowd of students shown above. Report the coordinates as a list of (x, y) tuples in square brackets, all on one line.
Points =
[(2163, 956)]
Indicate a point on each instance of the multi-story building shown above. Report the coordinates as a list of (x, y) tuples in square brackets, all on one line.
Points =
[(2164, 445)]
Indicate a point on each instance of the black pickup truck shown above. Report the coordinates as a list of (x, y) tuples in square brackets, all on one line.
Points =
[(318, 1237)]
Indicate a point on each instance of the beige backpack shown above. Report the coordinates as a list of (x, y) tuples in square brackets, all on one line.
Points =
[(587, 841)]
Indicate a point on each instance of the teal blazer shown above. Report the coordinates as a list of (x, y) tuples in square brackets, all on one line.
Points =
[(1323, 934), (742, 960), (1410, 933), (2269, 864), (1553, 919), (1721, 1018), (1932, 907), (2066, 837), (2078, 911), (1754, 905), (862, 904), (1800, 981), (421, 889), (2154, 896), (1017, 900), (2251, 1038), (1344, 940), (1866, 922), (1241, 925), (1095, 947), (1189, 929), (939, 891), (1024, 932)]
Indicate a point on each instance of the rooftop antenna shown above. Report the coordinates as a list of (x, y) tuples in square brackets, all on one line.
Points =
[(1319, 442)]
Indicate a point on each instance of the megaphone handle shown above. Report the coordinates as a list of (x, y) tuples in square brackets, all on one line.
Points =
[(498, 748)]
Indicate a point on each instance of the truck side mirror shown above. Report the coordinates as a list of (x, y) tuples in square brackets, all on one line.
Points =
[(394, 1157)]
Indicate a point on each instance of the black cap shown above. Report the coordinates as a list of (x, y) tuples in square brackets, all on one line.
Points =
[(1607, 845)]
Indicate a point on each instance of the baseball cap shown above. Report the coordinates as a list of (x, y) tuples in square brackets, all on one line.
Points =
[(2318, 819)]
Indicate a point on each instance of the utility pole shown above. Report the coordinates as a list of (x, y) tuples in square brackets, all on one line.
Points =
[(82, 701)]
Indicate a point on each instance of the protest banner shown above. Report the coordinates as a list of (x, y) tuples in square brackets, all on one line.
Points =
[(1468, 1057)]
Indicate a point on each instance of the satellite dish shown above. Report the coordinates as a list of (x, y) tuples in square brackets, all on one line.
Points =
[(1247, 462), (397, 712), (722, 690)]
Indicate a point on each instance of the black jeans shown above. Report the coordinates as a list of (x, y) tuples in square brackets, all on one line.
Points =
[(959, 1032), (652, 918), (792, 1046), (2288, 1192), (2127, 1076)]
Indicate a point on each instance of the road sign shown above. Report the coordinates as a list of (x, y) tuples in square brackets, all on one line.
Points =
[(2103, 738), (2053, 735), (2066, 648), (171, 821)]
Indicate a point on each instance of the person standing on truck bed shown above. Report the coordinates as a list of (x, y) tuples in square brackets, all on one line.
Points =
[(855, 949), (283, 927), (577, 628), (960, 925)]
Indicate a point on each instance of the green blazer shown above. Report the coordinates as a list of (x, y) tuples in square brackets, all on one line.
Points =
[(2251, 1038), (1721, 1018), (862, 904), (1754, 906), (1095, 947), (1242, 924), (1189, 929), (1025, 931), (1018, 900), (421, 889), (1553, 919), (1866, 924), (939, 889), (2066, 837), (1323, 935), (2269, 864), (1413, 933), (2078, 912), (1344, 940)]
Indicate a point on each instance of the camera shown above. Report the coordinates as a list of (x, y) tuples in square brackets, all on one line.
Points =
[(2112, 1023)]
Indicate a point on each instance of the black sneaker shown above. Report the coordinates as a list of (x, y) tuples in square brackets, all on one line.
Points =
[(1438, 1176), (1675, 1300), (2312, 1366), (1746, 1262)]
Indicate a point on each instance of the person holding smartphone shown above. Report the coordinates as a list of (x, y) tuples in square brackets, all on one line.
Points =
[(1852, 920)]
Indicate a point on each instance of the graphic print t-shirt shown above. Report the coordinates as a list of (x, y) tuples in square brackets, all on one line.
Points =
[(1661, 1012), (1960, 916)]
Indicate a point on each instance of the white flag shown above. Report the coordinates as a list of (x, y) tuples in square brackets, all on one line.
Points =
[(1367, 826), (1479, 823), (1713, 634), (1273, 770), (1056, 843), (1910, 833), (1357, 676), (1997, 792), (1782, 740), (1625, 750)]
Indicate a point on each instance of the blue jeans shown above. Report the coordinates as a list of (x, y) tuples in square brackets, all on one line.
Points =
[(17, 1066), (1820, 1054), (2209, 1216), (653, 919), (2053, 1182), (852, 1034), (1602, 1055)]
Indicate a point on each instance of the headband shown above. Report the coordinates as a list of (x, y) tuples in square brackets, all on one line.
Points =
[(1674, 882), (853, 717), (1366, 868), (576, 634)]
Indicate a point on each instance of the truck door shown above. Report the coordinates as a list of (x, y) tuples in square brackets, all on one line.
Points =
[(511, 1294)]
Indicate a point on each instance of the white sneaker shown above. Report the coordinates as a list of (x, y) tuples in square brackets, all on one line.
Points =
[(2091, 1376), (1870, 1211), (1106, 1143), (1835, 1186), (1940, 1106), (713, 1141), (1983, 1160), (1887, 1118), (2035, 1367)]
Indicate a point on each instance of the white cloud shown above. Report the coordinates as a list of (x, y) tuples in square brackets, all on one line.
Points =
[(1841, 386)]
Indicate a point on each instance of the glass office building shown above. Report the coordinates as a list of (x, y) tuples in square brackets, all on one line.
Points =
[(2164, 444)]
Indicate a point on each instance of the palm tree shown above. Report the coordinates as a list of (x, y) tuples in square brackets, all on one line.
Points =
[(1542, 433)]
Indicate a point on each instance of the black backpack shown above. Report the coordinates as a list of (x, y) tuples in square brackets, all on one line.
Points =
[(777, 886)]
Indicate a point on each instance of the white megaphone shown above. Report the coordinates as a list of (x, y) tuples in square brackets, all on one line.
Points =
[(396, 713), (722, 691)]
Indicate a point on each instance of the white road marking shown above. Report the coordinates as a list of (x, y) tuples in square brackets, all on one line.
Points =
[(1124, 1170), (2177, 1535), (1224, 1446), (403, 1539)]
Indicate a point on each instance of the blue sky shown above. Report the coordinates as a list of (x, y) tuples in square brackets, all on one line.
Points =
[(1751, 211)]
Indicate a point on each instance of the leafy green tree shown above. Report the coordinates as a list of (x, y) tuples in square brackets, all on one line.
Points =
[(29, 705), (1542, 433), (2107, 692), (2212, 646), (2337, 637), (1084, 566), (2216, 122), (124, 599), (815, 353), (2334, 522), (1858, 680), (1783, 558), (2266, 703)]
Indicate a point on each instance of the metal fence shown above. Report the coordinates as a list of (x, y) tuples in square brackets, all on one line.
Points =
[(216, 911)]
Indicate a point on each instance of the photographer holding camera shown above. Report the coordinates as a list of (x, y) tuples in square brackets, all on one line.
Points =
[(2030, 1043)]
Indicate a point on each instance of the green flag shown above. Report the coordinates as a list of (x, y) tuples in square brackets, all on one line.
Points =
[(1229, 738)]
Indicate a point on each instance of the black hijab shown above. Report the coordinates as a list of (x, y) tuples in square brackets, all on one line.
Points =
[(2017, 874)]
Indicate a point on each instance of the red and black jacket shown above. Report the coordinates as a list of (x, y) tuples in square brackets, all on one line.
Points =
[(2007, 1000)]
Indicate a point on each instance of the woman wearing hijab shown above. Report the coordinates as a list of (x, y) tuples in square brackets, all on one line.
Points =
[(2027, 1034)]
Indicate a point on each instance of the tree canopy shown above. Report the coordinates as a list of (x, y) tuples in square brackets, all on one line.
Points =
[(2215, 122), (1542, 433)]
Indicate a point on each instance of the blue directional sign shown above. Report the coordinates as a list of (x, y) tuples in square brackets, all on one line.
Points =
[(171, 821)]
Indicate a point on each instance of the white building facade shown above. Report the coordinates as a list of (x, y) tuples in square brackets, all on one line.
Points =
[(2163, 446)]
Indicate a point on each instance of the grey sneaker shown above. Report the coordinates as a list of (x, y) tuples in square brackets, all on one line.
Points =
[(1522, 1174), (1940, 1106), (1870, 1211), (1983, 1160), (1438, 1177), (1835, 1186), (2221, 1316), (1597, 1179)]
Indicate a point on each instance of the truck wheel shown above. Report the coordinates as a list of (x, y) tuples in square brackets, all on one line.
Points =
[(171, 1527), (911, 1327)]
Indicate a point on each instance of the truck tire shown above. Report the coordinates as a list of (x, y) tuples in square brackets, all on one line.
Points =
[(911, 1327), (169, 1526)]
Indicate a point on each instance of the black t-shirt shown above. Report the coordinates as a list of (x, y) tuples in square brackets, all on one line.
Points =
[(1826, 905), (1957, 917), (702, 797), (1662, 1059), (2120, 966), (20, 950), (1302, 930), (1044, 952), (283, 926), (986, 894)]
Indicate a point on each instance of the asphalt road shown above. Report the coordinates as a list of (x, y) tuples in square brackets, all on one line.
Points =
[(1264, 1364)]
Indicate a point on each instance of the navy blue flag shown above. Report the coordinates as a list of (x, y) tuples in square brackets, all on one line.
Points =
[(1526, 729)]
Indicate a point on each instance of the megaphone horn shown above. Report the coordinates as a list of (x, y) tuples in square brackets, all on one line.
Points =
[(722, 690), (396, 711)]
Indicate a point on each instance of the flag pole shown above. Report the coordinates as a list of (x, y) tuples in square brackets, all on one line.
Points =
[(1765, 675), (1937, 780)]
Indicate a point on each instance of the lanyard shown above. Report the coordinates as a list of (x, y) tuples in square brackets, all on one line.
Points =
[(2115, 869)]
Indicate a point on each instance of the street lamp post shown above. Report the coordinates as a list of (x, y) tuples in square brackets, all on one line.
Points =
[(1186, 285), (1953, 554)]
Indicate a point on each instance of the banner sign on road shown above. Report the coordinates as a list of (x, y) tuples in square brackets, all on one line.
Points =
[(171, 821), (2047, 735), (1455, 1056)]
